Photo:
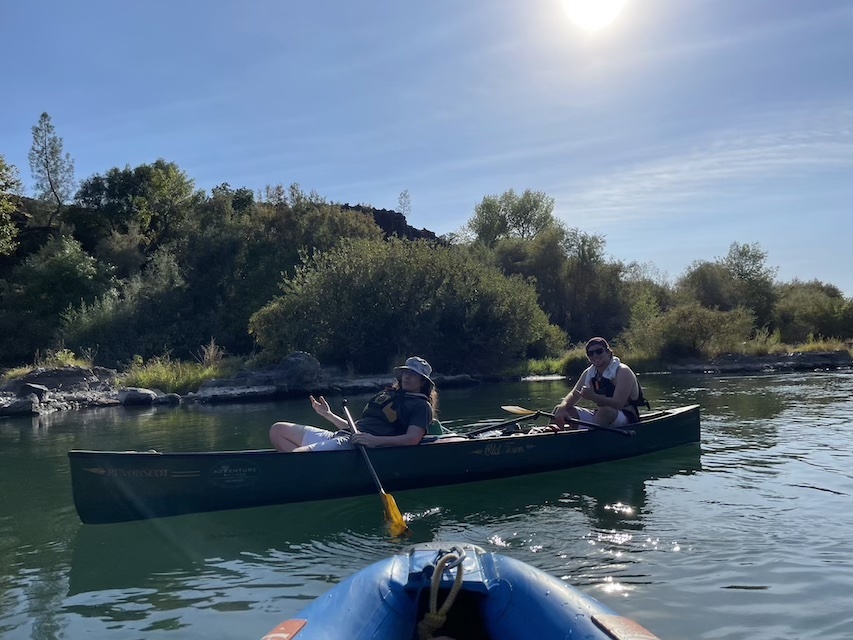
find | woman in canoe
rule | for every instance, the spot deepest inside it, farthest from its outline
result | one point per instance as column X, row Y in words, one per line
column 396, row 416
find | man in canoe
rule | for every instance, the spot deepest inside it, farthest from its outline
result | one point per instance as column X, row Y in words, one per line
column 608, row 383
column 396, row 416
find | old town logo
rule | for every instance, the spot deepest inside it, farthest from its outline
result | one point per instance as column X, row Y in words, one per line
column 503, row 448
column 238, row 473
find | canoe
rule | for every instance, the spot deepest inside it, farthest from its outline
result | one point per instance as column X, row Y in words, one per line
column 116, row 486
column 456, row 591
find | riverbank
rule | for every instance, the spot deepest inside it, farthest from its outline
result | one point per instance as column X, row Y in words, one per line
column 44, row 391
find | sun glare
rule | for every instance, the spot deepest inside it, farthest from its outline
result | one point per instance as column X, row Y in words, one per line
column 593, row 15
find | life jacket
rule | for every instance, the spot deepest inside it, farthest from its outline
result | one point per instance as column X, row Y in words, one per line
column 606, row 387
column 385, row 406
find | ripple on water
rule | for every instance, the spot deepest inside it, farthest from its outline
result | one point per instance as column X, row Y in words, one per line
column 747, row 537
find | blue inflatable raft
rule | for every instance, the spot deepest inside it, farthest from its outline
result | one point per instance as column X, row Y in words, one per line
column 456, row 591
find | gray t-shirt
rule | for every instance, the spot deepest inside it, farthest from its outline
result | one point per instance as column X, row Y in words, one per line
column 391, row 412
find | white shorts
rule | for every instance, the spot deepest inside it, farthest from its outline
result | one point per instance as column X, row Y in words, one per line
column 588, row 415
column 324, row 440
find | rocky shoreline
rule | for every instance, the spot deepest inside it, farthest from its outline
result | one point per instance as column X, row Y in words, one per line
column 299, row 374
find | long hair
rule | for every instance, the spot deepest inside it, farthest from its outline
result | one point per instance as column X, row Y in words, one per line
column 433, row 401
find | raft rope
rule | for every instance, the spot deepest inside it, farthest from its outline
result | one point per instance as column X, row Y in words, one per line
column 435, row 618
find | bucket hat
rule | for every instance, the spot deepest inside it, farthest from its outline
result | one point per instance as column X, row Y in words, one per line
column 417, row 365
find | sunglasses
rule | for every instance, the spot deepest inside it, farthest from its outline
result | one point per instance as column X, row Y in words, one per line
column 595, row 352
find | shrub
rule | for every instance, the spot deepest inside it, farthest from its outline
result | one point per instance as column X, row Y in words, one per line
column 368, row 304
column 39, row 289
column 687, row 331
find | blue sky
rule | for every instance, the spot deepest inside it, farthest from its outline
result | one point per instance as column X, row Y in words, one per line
column 682, row 127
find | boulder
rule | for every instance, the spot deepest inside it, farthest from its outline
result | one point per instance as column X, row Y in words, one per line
column 65, row 379
column 298, row 369
column 27, row 388
column 28, row 406
column 170, row 399
column 217, row 394
column 136, row 397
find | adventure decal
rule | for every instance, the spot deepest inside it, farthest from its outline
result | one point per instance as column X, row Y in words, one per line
column 503, row 448
column 240, row 473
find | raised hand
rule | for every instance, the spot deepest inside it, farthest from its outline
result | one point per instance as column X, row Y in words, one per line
column 320, row 406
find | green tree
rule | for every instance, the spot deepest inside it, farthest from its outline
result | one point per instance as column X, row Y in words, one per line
column 741, row 279
column 645, row 282
column 811, row 309
column 60, row 275
column 708, row 283
column 595, row 297
column 511, row 216
column 642, row 336
column 686, row 330
column 755, row 280
column 272, row 241
column 543, row 260
column 223, row 263
column 10, row 188
column 233, row 200
column 151, row 200
column 143, row 315
column 52, row 171
column 579, row 289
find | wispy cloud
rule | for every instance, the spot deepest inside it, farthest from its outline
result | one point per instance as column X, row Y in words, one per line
column 750, row 33
column 732, row 161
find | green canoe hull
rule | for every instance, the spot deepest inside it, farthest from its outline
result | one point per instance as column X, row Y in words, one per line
column 116, row 486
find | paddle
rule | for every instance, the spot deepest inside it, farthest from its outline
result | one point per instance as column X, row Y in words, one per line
column 529, row 412
column 394, row 519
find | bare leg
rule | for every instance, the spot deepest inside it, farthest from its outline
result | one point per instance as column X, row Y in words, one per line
column 286, row 436
column 606, row 416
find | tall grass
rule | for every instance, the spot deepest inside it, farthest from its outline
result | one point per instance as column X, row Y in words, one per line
column 175, row 376
column 52, row 359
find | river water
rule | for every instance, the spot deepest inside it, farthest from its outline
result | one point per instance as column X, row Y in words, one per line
column 748, row 535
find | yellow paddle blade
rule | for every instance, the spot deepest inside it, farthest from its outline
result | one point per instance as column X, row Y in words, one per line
column 396, row 525
column 512, row 408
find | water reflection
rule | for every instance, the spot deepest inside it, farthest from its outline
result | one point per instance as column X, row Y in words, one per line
column 134, row 554
column 303, row 548
column 590, row 490
column 580, row 524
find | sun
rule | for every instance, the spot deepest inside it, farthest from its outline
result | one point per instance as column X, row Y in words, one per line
column 593, row 15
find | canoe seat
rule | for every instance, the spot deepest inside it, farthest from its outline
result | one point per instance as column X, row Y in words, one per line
column 437, row 432
column 437, row 429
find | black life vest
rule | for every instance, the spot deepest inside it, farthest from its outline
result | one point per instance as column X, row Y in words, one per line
column 606, row 387
column 385, row 406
